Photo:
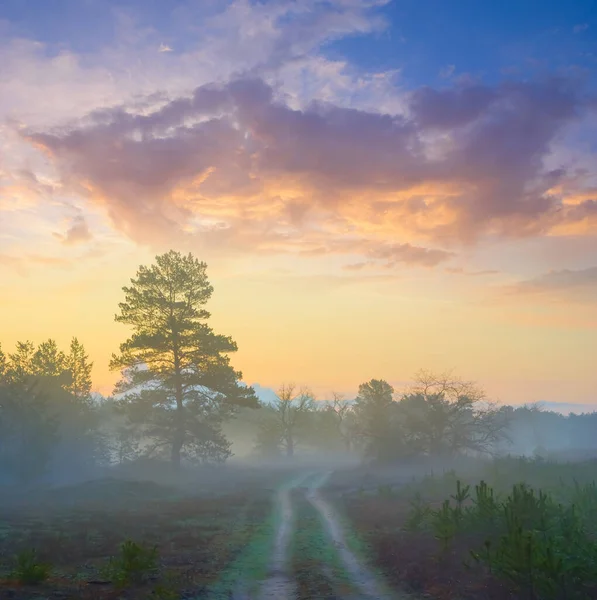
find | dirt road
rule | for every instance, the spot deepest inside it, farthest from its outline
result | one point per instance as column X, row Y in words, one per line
column 365, row 582
column 280, row 582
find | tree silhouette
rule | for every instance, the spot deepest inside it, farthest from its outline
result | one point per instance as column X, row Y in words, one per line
column 286, row 421
column 177, row 378
column 3, row 364
column 28, row 430
column 48, row 359
column 291, row 407
column 340, row 416
column 375, row 411
column 20, row 362
column 79, row 367
column 445, row 414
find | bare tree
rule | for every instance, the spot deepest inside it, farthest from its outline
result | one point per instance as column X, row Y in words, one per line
column 291, row 407
column 443, row 413
column 342, row 413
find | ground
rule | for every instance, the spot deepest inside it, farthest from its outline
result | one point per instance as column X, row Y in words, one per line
column 197, row 537
column 248, row 534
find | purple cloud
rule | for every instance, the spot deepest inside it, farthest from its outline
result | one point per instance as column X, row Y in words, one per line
column 237, row 140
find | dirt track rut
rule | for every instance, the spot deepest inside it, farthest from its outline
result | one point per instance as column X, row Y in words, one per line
column 362, row 578
column 279, row 583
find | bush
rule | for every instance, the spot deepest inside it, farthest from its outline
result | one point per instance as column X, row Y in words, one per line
column 544, row 548
column 134, row 564
column 28, row 571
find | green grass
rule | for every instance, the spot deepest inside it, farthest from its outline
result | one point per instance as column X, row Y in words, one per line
column 29, row 570
column 198, row 538
column 542, row 541
column 315, row 561
column 250, row 566
column 133, row 564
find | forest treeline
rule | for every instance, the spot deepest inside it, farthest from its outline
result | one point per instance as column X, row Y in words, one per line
column 180, row 399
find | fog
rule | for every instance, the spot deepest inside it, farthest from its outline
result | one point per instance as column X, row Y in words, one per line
column 185, row 484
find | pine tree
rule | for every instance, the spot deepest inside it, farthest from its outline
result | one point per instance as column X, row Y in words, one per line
column 176, row 371
column 3, row 365
column 20, row 362
column 79, row 367
column 48, row 360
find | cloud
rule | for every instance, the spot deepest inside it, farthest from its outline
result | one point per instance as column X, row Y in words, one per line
column 580, row 27
column 23, row 264
column 274, row 40
column 77, row 233
column 268, row 146
column 452, row 107
column 235, row 161
column 461, row 271
column 378, row 253
column 392, row 254
column 164, row 48
column 566, row 408
column 570, row 284
column 447, row 71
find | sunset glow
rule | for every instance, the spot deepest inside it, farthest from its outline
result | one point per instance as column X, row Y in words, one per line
column 370, row 198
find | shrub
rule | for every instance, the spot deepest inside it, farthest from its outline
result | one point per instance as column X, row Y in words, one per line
column 28, row 571
column 134, row 564
column 544, row 548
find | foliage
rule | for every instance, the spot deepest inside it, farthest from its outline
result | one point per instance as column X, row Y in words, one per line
column 375, row 412
column 444, row 524
column 177, row 379
column 288, row 419
column 48, row 360
column 3, row 364
column 20, row 365
column 544, row 548
column 341, row 419
column 78, row 364
column 443, row 414
column 28, row 431
column 44, row 424
column 28, row 570
column 134, row 564
column 419, row 514
column 385, row 490
column 126, row 444
column 268, row 442
column 163, row 591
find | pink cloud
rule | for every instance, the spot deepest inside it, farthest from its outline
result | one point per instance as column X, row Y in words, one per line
column 270, row 175
column 78, row 232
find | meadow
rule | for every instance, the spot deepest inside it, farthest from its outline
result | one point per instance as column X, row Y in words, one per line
column 510, row 528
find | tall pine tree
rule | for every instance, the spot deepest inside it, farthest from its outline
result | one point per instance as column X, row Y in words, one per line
column 48, row 360
column 3, row 365
column 78, row 364
column 177, row 379
column 20, row 362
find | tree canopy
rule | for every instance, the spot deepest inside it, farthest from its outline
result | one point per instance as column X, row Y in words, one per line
column 177, row 381
column 47, row 424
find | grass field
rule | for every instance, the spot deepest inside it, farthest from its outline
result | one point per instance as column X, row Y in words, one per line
column 539, row 517
column 77, row 531
column 315, row 563
column 410, row 536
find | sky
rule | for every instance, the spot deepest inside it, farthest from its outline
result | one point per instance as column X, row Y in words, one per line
column 376, row 186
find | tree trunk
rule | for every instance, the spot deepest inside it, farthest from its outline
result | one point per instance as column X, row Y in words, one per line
column 176, row 448
column 178, row 438
column 289, row 447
